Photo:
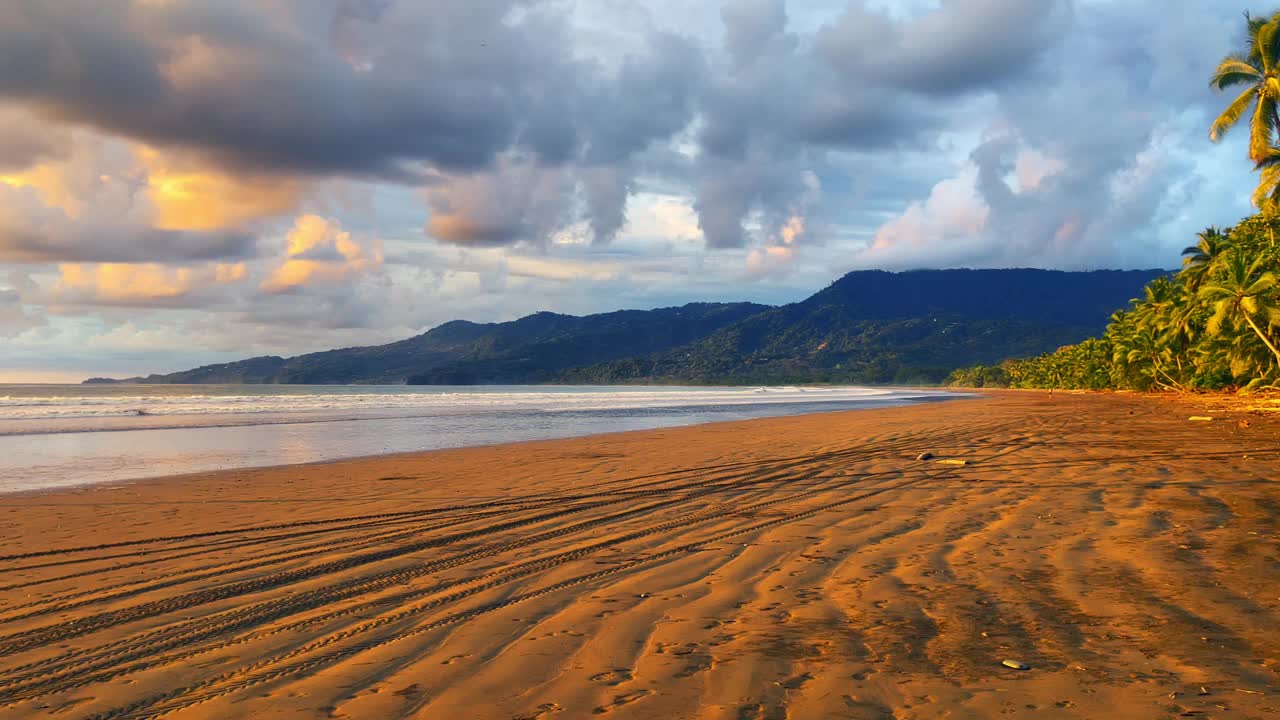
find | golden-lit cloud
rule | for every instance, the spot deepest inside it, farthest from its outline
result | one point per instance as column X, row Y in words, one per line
column 51, row 183
column 128, row 283
column 320, row 251
column 187, row 197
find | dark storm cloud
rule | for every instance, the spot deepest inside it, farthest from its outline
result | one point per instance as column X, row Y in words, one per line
column 447, row 82
column 515, row 134
column 457, row 88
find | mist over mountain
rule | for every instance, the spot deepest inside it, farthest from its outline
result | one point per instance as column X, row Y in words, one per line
column 866, row 327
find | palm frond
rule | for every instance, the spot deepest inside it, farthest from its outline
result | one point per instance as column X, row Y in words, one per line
column 1212, row 293
column 1261, row 285
column 1266, row 45
column 1253, row 25
column 1221, row 313
column 1234, row 70
column 1262, row 128
column 1267, row 195
column 1232, row 114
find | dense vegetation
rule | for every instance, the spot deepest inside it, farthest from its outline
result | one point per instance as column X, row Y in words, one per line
column 1216, row 323
column 867, row 327
column 1213, row 325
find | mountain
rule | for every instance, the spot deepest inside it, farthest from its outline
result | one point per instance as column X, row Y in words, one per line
column 533, row 349
column 866, row 327
column 905, row 328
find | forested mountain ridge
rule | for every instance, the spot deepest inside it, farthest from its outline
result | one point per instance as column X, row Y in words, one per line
column 868, row 326
column 881, row 327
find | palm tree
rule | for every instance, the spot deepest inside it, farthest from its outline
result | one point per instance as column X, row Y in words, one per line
column 1181, row 321
column 1259, row 70
column 1143, row 352
column 1239, row 294
column 1199, row 258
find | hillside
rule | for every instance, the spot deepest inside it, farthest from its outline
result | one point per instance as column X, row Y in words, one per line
column 881, row 327
column 533, row 349
column 867, row 327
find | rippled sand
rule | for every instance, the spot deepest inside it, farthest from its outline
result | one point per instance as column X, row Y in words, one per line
column 802, row 567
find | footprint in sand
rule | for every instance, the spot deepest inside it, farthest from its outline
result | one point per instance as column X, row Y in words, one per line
column 698, row 663
column 620, row 700
column 612, row 677
column 409, row 692
column 797, row 682
column 868, row 709
column 541, row 711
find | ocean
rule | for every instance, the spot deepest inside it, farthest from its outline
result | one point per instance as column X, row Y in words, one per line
column 68, row 435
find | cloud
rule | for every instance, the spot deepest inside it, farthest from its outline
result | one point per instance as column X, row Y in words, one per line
column 518, row 201
column 450, row 84
column 98, row 202
column 25, row 141
column 188, row 197
column 319, row 252
column 1086, row 164
column 15, row 317
column 138, row 285
column 863, row 81
column 962, row 46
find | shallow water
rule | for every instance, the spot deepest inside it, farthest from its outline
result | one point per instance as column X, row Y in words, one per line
column 65, row 435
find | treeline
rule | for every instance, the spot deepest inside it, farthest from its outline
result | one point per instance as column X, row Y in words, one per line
column 1213, row 325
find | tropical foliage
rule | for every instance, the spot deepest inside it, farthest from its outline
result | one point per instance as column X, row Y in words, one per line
column 1213, row 325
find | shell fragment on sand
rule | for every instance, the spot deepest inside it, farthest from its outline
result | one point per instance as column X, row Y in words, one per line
column 953, row 461
column 1016, row 665
column 1200, row 418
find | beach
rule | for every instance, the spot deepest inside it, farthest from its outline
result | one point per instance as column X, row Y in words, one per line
column 1122, row 557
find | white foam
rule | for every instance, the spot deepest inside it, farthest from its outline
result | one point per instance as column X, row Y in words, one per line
column 296, row 401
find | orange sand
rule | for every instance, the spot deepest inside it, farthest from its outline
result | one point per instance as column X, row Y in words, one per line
column 805, row 567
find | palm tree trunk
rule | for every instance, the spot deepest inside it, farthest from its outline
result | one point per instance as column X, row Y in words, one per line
column 1176, row 385
column 1262, row 335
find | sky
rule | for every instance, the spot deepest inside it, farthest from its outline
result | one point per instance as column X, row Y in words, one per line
column 185, row 182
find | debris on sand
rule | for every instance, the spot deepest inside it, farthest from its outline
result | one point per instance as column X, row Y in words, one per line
column 924, row 456
column 1200, row 418
column 953, row 461
column 1016, row 665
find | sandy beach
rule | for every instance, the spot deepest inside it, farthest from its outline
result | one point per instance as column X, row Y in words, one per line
column 797, row 567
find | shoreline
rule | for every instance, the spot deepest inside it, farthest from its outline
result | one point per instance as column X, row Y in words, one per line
column 805, row 564
column 963, row 394
column 787, row 408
